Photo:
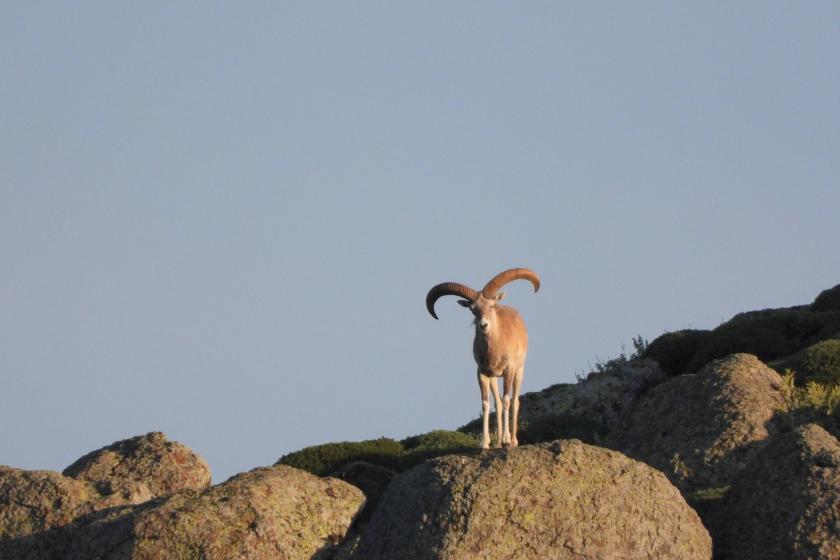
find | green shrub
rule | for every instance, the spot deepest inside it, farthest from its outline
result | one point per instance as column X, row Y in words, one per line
column 438, row 439
column 674, row 350
column 819, row 363
column 770, row 334
column 434, row 444
column 828, row 300
column 328, row 457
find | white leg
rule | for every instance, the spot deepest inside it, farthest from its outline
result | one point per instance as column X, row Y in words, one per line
column 484, row 385
column 517, row 386
column 494, row 387
column 506, row 421
column 515, row 420
column 485, row 433
column 508, row 379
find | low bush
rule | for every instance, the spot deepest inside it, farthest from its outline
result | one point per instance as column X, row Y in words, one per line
column 674, row 350
column 437, row 440
column 770, row 335
column 434, row 444
column 326, row 458
column 828, row 300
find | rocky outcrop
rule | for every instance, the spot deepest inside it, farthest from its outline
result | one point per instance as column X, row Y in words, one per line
column 34, row 501
column 557, row 500
column 142, row 467
column 271, row 512
column 601, row 397
column 786, row 502
column 585, row 410
column 702, row 429
column 131, row 471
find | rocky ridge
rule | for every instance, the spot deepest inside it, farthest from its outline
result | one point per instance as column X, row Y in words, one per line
column 268, row 513
column 697, row 424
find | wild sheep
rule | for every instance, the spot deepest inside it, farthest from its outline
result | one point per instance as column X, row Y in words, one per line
column 499, row 347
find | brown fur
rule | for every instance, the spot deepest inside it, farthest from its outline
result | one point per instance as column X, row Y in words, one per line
column 499, row 348
column 499, row 353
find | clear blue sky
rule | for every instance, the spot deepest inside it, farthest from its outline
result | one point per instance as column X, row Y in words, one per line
column 221, row 220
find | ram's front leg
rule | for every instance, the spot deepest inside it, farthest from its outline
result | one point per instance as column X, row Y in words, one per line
column 494, row 387
column 484, row 385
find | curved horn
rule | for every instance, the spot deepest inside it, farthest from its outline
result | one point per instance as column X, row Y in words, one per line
column 448, row 289
column 509, row 276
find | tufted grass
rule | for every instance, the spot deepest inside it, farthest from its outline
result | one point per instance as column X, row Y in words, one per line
column 819, row 363
column 812, row 403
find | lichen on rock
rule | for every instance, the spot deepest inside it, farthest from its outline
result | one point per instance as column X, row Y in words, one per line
column 34, row 501
column 701, row 429
column 268, row 513
column 557, row 500
column 786, row 502
column 142, row 467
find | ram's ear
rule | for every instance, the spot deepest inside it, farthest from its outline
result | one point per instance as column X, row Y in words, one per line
column 465, row 302
column 499, row 296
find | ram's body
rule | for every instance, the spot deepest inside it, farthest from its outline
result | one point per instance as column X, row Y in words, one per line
column 499, row 348
column 504, row 348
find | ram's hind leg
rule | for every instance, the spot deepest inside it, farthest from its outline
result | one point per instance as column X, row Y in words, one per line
column 484, row 385
column 494, row 386
column 508, row 380
column 517, row 385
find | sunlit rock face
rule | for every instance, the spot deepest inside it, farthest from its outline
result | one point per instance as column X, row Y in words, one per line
column 563, row 499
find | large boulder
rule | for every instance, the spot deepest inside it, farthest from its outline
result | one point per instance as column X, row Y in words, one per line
column 131, row 471
column 34, row 501
column 786, row 502
column 142, row 467
column 557, row 500
column 701, row 429
column 271, row 512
